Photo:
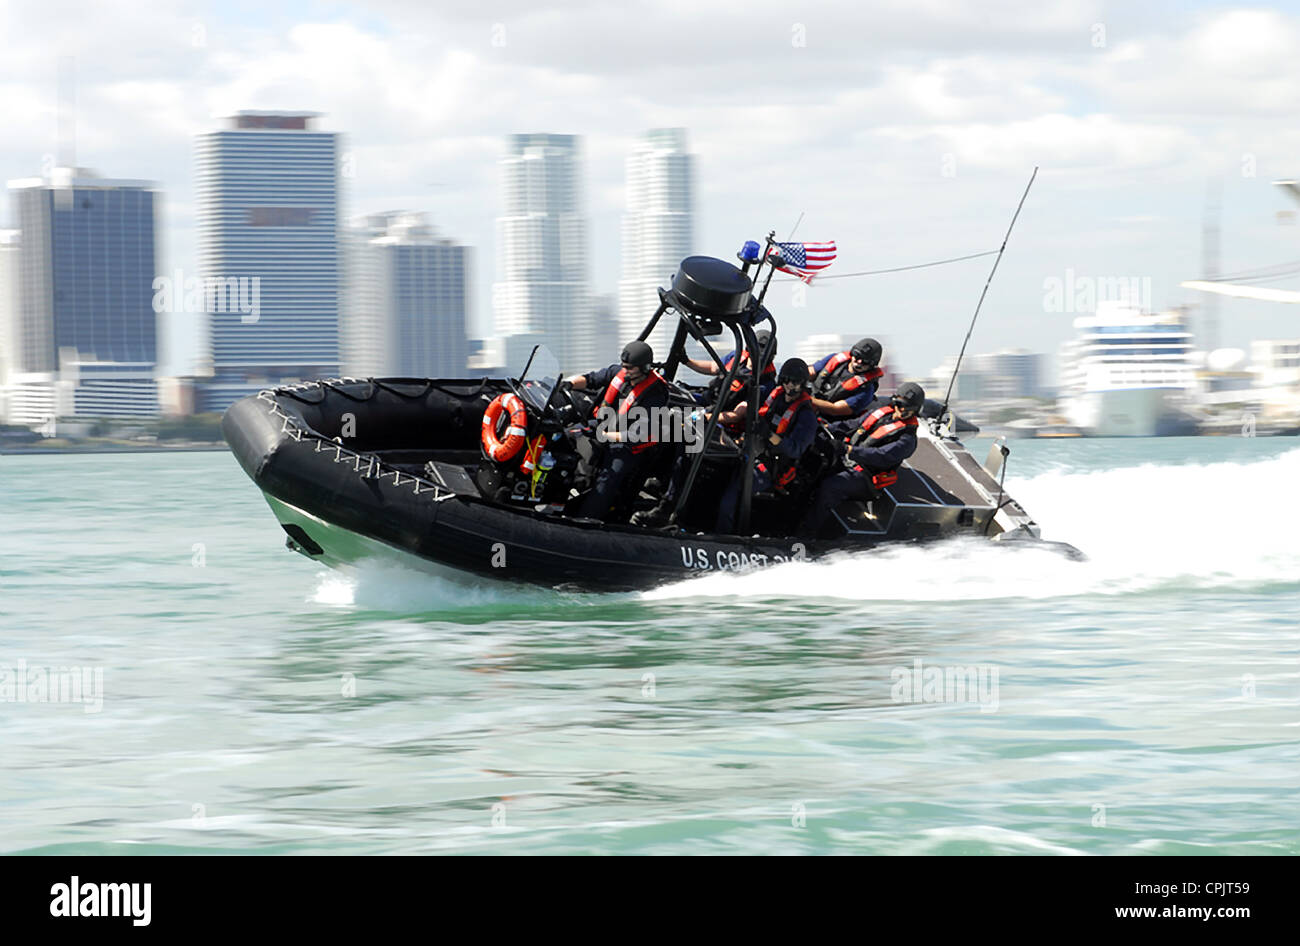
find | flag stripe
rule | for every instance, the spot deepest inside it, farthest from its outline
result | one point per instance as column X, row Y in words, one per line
column 805, row 260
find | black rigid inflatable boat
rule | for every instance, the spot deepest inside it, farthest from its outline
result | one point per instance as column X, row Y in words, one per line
column 398, row 468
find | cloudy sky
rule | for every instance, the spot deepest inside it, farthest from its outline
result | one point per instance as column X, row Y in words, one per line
column 903, row 130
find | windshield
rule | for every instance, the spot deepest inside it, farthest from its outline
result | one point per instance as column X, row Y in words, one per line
column 538, row 374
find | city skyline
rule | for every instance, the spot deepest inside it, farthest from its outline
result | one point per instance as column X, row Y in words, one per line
column 904, row 145
column 409, row 228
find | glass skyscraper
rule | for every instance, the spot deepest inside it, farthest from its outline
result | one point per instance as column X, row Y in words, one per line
column 542, row 236
column 8, row 305
column 84, row 325
column 406, row 313
column 269, row 231
column 658, row 231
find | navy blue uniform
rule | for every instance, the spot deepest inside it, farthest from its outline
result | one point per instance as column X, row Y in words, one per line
column 681, row 463
column 623, row 463
column 860, row 400
column 850, row 484
column 766, row 382
column 798, row 438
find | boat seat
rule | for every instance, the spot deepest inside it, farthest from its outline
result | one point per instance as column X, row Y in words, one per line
column 452, row 477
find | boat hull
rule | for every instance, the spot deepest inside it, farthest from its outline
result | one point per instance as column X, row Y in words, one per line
column 339, row 504
column 466, row 548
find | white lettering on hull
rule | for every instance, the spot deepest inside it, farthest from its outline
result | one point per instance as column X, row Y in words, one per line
column 700, row 559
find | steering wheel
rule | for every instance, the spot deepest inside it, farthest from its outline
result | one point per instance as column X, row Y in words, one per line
column 571, row 406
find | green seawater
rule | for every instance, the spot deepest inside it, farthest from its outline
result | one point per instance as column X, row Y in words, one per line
column 1146, row 701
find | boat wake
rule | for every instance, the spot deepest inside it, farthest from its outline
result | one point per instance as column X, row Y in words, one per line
column 383, row 585
column 1144, row 528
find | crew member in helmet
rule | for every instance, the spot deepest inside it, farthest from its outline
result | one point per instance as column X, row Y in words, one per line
column 632, row 389
column 844, row 383
column 873, row 449
column 787, row 424
column 733, row 405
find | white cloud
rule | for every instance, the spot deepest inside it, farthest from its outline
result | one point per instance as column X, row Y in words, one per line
column 851, row 127
column 1062, row 142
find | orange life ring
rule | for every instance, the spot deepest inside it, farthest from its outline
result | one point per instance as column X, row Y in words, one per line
column 504, row 449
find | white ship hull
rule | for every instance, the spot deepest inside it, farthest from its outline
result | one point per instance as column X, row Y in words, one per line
column 1131, row 412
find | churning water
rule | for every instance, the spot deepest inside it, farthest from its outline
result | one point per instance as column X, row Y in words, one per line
column 955, row 698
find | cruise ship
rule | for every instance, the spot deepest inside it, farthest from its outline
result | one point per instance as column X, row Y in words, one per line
column 1128, row 373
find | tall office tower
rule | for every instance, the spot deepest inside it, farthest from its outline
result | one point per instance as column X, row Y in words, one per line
column 85, row 331
column 542, row 237
column 269, row 252
column 657, row 230
column 8, row 314
column 407, row 293
column 604, row 320
column 8, row 302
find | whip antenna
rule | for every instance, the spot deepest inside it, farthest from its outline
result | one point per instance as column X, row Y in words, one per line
column 957, row 367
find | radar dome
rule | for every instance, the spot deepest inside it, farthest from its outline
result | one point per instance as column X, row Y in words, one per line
column 1225, row 359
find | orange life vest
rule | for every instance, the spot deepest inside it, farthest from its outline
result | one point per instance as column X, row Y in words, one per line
column 785, row 469
column 828, row 383
column 791, row 409
column 616, row 386
column 878, row 429
column 738, row 383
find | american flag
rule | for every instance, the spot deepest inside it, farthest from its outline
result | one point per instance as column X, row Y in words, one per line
column 805, row 260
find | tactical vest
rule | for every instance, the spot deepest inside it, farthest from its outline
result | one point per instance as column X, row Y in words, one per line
column 782, row 469
column 614, row 389
column 877, row 429
column 836, row 381
column 736, row 393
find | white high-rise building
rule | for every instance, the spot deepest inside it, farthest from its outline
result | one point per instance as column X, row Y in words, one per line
column 658, row 231
column 1276, row 371
column 1277, row 360
column 407, row 300
column 269, row 223
column 542, row 235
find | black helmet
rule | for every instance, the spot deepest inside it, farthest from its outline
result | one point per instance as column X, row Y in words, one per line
column 910, row 396
column 638, row 354
column 794, row 369
column 763, row 336
column 869, row 350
